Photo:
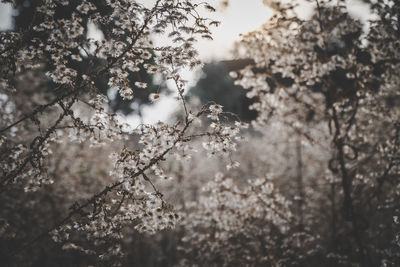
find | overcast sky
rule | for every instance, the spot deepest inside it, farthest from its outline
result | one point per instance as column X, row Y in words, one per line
column 5, row 16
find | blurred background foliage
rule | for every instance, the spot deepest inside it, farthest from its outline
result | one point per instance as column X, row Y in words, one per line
column 218, row 86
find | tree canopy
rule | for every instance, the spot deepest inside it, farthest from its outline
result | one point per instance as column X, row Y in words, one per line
column 318, row 186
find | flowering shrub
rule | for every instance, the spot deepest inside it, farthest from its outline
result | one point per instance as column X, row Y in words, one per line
column 229, row 218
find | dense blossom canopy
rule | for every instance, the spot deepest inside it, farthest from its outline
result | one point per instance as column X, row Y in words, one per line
column 312, row 181
column 67, row 106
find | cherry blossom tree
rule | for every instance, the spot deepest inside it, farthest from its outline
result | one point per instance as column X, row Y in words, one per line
column 331, row 79
column 51, row 108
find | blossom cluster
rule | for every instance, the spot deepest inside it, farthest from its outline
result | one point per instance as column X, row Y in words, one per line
column 232, row 223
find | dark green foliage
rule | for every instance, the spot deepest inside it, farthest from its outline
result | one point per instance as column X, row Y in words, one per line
column 216, row 85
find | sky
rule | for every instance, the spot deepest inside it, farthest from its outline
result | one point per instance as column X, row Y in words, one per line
column 239, row 17
column 5, row 16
